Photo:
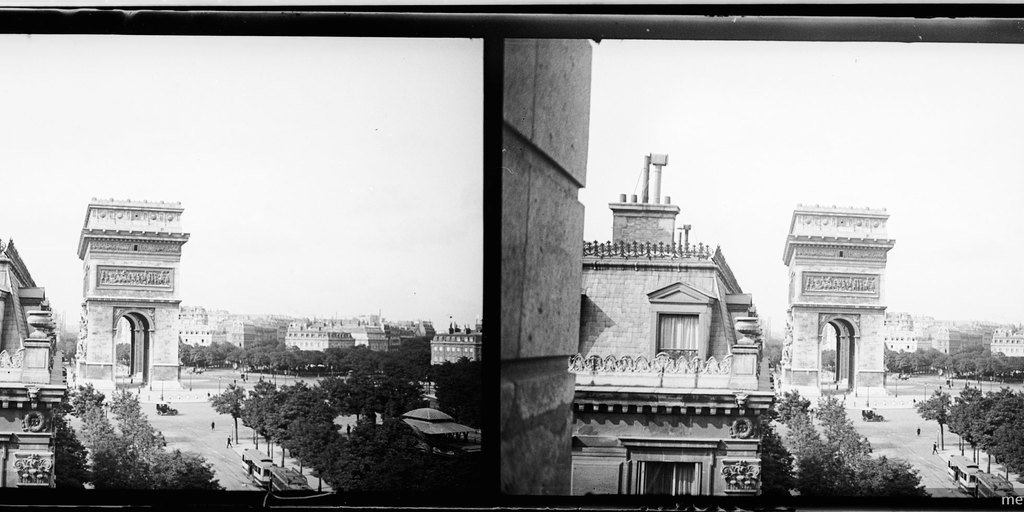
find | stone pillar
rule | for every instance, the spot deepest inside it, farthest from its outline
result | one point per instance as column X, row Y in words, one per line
column 545, row 137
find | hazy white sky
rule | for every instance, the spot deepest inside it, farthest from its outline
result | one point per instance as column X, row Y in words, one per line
column 318, row 175
column 932, row 132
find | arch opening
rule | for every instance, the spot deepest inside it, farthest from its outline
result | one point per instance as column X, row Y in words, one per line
column 837, row 356
column 132, row 348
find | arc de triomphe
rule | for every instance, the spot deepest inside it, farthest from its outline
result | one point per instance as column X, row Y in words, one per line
column 131, row 252
column 836, row 259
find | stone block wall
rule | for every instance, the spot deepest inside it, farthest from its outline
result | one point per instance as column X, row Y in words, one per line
column 616, row 312
column 545, row 136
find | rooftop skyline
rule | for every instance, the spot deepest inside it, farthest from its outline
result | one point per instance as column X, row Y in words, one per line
column 317, row 175
column 753, row 129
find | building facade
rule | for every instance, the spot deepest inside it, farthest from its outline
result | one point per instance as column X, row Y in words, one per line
column 32, row 379
column 451, row 346
column 1008, row 342
column 899, row 334
column 668, row 395
column 318, row 335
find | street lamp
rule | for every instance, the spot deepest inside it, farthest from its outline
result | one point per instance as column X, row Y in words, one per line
column 161, row 391
column 218, row 384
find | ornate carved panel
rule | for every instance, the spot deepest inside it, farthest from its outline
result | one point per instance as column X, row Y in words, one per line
column 841, row 284
column 136, row 277
column 34, row 469
column 836, row 253
column 741, row 475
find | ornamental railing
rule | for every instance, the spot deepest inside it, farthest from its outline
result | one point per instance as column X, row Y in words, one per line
column 660, row 250
column 662, row 363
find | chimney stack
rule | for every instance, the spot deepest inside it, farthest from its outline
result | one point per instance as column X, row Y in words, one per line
column 658, row 161
column 645, row 179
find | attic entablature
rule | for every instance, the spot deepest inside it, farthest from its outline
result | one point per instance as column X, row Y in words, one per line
column 835, row 248
column 680, row 293
column 109, row 223
column 849, row 222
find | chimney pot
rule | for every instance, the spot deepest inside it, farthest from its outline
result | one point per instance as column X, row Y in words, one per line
column 632, row 198
column 622, row 198
column 668, row 199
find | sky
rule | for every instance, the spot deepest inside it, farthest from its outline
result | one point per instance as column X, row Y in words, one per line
column 931, row 132
column 319, row 176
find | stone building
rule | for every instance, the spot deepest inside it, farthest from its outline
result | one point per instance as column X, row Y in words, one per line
column 668, row 396
column 31, row 377
column 454, row 345
column 1007, row 342
column 131, row 254
column 836, row 257
column 318, row 335
column 899, row 334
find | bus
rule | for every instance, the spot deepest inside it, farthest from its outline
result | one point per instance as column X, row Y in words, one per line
column 964, row 472
column 286, row 479
column 257, row 465
column 993, row 486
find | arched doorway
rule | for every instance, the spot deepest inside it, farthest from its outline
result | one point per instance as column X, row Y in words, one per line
column 837, row 355
column 133, row 347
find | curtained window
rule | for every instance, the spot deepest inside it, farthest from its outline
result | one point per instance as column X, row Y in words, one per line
column 677, row 334
column 668, row 478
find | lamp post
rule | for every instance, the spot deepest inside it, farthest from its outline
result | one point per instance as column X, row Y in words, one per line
column 218, row 384
column 161, row 391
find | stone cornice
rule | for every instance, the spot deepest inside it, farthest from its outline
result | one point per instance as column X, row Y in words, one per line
column 128, row 236
column 833, row 307
column 133, row 301
column 678, row 265
column 633, row 400
column 794, row 241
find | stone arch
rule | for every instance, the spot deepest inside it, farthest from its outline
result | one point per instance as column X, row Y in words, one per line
column 846, row 345
column 141, row 327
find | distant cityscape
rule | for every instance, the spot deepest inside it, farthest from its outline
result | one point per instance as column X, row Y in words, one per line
column 200, row 326
column 907, row 333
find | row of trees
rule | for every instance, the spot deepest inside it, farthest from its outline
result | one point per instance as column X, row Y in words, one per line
column 973, row 362
column 375, row 455
column 126, row 453
column 276, row 357
column 992, row 421
column 835, row 461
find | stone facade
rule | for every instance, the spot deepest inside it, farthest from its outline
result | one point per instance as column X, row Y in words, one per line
column 836, row 259
column 644, row 409
column 450, row 347
column 32, row 378
column 131, row 253
column 544, row 137
column 1008, row 342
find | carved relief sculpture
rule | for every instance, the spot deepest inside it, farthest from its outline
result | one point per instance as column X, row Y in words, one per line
column 837, row 283
column 134, row 277
column 33, row 468
column 741, row 476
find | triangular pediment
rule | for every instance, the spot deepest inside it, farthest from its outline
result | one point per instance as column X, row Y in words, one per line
column 680, row 293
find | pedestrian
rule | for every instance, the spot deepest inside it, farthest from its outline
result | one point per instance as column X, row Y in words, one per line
column 229, row 441
column 213, row 426
column 935, row 448
column 918, row 432
column 348, row 429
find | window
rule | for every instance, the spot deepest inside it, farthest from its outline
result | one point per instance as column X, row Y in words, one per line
column 670, row 478
column 678, row 334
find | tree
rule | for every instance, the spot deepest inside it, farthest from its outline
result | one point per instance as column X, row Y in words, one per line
column 888, row 477
column 458, row 390
column 230, row 402
column 84, row 398
column 258, row 410
column 69, row 453
column 182, row 470
column 776, row 463
column 963, row 417
column 936, row 409
column 130, row 454
column 791, row 405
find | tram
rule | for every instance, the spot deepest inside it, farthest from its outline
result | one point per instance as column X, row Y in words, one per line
column 994, row 486
column 964, row 472
column 257, row 465
column 287, row 479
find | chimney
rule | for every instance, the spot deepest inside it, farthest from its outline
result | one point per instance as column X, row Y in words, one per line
column 645, row 179
column 658, row 161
